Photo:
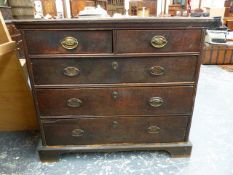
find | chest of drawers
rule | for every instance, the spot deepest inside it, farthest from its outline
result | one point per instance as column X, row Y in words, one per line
column 114, row 85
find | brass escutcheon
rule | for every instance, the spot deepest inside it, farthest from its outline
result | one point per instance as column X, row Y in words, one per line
column 156, row 102
column 159, row 41
column 71, row 71
column 115, row 65
column 153, row 129
column 157, row 70
column 115, row 95
column 69, row 43
column 74, row 102
column 77, row 132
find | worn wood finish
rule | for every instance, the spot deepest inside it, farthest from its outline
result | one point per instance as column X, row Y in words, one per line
column 49, row 42
column 128, row 101
column 102, row 70
column 104, row 96
column 115, row 130
column 139, row 41
column 123, row 23
column 177, row 149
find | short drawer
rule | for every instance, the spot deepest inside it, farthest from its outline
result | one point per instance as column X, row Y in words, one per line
column 107, row 130
column 115, row 101
column 113, row 70
column 153, row 41
column 68, row 42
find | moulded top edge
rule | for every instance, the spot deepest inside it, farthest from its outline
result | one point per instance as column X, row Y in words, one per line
column 123, row 22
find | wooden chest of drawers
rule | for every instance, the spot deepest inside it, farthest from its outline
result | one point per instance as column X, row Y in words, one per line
column 114, row 85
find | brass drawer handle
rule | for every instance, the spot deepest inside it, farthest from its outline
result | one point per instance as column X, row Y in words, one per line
column 159, row 41
column 74, row 102
column 156, row 102
column 69, row 43
column 157, row 70
column 153, row 129
column 71, row 71
column 77, row 132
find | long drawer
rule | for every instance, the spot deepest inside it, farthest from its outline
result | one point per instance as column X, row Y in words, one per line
column 115, row 101
column 152, row 41
column 107, row 130
column 114, row 70
column 68, row 42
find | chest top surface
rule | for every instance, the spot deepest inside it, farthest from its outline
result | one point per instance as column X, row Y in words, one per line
column 117, row 23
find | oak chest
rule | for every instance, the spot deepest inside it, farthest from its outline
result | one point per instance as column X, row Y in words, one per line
column 114, row 85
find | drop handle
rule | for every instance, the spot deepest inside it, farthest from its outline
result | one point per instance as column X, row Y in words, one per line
column 77, row 132
column 153, row 129
column 71, row 71
column 156, row 102
column 159, row 41
column 157, row 70
column 74, row 103
column 69, row 43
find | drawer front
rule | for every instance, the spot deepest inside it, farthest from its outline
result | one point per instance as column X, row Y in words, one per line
column 114, row 70
column 68, row 42
column 115, row 101
column 107, row 130
column 152, row 41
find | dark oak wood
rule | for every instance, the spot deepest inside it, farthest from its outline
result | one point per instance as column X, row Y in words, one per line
column 114, row 130
column 49, row 42
column 113, row 101
column 48, row 156
column 128, row 101
column 123, row 23
column 101, row 70
column 139, row 41
column 196, row 82
column 176, row 149
column 115, row 55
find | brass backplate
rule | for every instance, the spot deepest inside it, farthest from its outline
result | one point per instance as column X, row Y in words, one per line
column 69, row 43
column 159, row 41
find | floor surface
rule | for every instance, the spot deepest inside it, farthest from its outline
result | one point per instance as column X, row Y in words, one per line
column 211, row 135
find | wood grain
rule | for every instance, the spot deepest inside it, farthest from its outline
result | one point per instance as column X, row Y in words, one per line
column 129, row 101
column 105, row 95
column 101, row 71
column 139, row 41
column 49, row 42
column 104, row 131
